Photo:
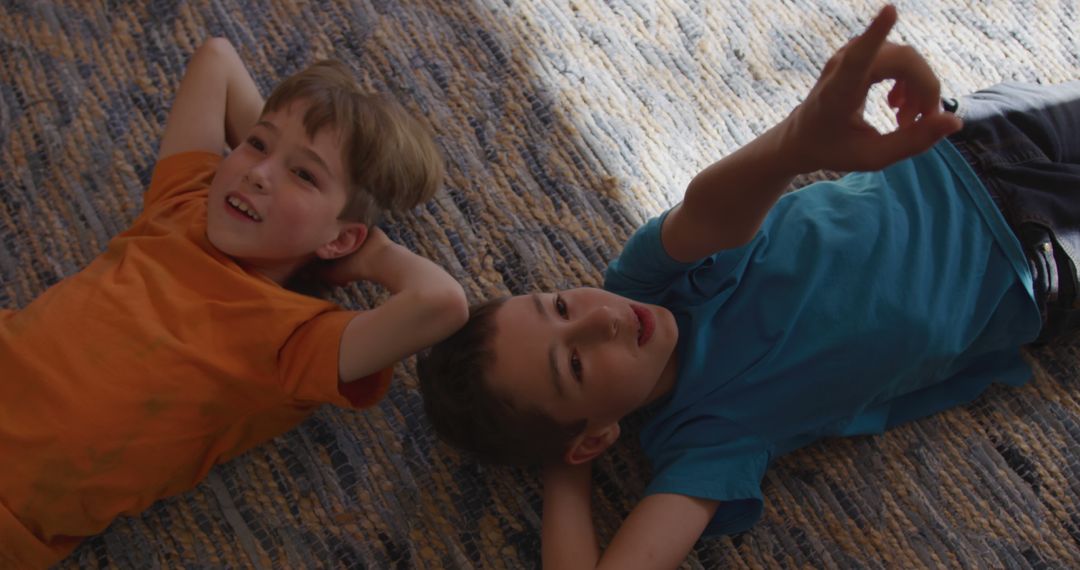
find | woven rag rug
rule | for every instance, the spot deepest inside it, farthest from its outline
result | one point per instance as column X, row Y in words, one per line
column 565, row 124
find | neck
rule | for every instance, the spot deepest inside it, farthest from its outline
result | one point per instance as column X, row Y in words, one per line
column 278, row 271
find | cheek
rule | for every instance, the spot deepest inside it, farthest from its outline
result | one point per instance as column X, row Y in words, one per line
column 224, row 181
column 291, row 214
column 622, row 376
column 613, row 375
column 299, row 216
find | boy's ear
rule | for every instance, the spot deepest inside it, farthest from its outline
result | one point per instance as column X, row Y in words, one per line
column 350, row 237
column 587, row 446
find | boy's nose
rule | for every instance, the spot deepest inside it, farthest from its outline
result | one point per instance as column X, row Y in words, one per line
column 258, row 179
column 598, row 325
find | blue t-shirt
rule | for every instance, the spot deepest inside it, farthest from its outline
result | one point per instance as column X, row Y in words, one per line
column 861, row 303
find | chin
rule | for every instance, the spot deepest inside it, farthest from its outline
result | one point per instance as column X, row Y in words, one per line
column 222, row 243
column 670, row 328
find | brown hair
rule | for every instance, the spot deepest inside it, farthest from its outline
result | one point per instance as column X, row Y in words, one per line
column 392, row 160
column 468, row 414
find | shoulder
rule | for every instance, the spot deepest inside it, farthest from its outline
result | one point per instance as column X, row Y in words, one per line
column 643, row 263
column 309, row 363
column 181, row 172
column 728, row 473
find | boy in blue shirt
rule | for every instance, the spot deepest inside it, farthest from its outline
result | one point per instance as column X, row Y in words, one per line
column 751, row 323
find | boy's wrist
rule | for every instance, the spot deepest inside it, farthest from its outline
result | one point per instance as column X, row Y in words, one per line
column 375, row 252
column 789, row 145
column 361, row 265
column 564, row 475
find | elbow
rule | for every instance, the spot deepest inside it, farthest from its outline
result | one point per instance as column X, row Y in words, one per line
column 216, row 48
column 457, row 308
column 448, row 308
column 217, row 44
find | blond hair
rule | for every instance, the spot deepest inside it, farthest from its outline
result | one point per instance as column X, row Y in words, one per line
column 392, row 161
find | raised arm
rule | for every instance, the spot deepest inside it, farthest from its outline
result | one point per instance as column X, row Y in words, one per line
column 216, row 103
column 426, row 305
column 725, row 204
column 658, row 533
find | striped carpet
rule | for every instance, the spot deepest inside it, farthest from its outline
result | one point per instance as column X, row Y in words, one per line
column 566, row 123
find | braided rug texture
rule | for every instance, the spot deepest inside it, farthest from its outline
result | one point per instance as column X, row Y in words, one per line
column 565, row 124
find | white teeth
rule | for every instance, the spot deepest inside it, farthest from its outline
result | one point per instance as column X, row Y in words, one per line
column 243, row 207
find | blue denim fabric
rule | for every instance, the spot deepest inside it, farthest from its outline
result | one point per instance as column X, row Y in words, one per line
column 1023, row 141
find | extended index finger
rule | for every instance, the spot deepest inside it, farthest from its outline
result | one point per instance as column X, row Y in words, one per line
column 862, row 50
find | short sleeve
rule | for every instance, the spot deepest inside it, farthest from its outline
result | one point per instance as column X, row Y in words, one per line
column 180, row 173
column 645, row 271
column 644, row 264
column 309, row 366
column 729, row 473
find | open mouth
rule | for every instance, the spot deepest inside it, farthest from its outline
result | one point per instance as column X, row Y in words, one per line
column 646, row 324
column 241, row 209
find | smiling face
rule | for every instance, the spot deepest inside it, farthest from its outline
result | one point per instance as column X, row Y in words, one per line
column 582, row 353
column 275, row 200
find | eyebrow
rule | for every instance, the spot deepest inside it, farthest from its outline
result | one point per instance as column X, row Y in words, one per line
column 553, row 361
column 305, row 150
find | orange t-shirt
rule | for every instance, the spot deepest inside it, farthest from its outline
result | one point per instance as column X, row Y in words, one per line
column 128, row 381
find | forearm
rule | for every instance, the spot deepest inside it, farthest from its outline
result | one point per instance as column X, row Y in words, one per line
column 568, row 537
column 399, row 270
column 426, row 305
column 429, row 296
column 243, row 103
column 215, row 104
column 726, row 203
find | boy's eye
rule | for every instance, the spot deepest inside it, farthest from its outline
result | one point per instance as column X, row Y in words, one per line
column 575, row 365
column 305, row 176
column 560, row 307
column 256, row 143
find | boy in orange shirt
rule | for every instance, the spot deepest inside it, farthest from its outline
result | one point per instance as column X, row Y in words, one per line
column 180, row 346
